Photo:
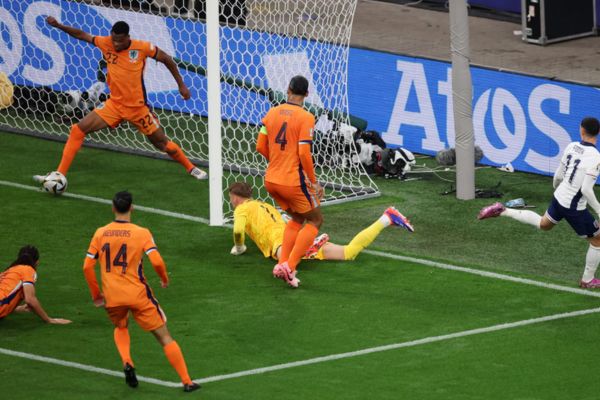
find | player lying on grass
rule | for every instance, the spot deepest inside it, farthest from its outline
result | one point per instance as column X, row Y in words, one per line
column 265, row 226
column 126, row 60
column 120, row 247
column 17, row 283
column 574, row 182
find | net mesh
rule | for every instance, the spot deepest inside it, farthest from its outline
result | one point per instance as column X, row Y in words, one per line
column 263, row 44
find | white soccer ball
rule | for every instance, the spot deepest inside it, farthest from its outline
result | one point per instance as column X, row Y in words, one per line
column 55, row 183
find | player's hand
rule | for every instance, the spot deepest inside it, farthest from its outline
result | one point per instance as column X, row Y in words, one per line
column 59, row 321
column 52, row 22
column 184, row 91
column 164, row 284
column 238, row 250
column 319, row 190
column 99, row 301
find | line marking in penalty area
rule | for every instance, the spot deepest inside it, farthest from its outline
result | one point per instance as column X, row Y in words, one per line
column 316, row 360
column 109, row 202
column 434, row 264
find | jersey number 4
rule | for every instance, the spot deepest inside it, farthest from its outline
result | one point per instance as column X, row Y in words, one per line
column 120, row 259
column 280, row 138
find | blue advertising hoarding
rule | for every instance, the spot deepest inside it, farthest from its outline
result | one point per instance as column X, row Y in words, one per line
column 518, row 119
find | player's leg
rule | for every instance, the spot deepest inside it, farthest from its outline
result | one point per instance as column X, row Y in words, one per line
column 175, row 356
column 119, row 318
column 585, row 225
column 306, row 236
column 545, row 222
column 148, row 125
column 92, row 122
column 292, row 227
column 150, row 317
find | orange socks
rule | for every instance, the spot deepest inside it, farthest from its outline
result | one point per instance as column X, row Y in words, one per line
column 289, row 238
column 175, row 357
column 71, row 148
column 123, row 345
column 175, row 152
column 305, row 239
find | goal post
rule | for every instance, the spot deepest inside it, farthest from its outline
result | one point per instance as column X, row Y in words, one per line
column 214, row 113
column 236, row 69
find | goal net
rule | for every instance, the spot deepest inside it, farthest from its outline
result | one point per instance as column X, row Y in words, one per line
column 57, row 79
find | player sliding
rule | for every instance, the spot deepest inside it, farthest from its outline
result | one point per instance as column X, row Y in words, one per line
column 126, row 59
column 265, row 226
column 17, row 283
column 285, row 140
column 120, row 247
column 574, row 182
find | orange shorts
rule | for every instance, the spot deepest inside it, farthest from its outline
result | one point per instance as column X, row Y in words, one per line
column 300, row 199
column 148, row 315
column 8, row 308
column 113, row 114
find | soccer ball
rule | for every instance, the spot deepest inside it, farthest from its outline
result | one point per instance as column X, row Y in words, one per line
column 55, row 183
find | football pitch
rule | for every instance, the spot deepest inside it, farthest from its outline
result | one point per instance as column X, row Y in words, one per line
column 461, row 309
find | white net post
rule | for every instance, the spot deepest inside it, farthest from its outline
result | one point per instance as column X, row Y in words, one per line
column 214, row 113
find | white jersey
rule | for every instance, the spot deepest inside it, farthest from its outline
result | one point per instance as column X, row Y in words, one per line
column 579, row 159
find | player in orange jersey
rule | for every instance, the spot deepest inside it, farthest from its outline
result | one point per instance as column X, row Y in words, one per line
column 17, row 283
column 120, row 247
column 126, row 59
column 285, row 140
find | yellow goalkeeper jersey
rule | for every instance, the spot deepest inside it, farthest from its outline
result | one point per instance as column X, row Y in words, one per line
column 262, row 223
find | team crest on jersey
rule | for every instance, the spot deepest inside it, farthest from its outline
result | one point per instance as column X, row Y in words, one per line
column 133, row 55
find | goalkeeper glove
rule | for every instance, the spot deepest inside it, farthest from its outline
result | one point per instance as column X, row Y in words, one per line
column 237, row 250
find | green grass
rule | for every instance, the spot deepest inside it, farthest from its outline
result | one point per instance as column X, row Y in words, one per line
column 228, row 314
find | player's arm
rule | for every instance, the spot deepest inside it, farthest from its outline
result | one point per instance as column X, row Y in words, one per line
column 305, row 156
column 159, row 265
column 587, row 189
column 166, row 59
column 71, row 31
column 262, row 143
column 239, row 229
column 559, row 175
column 34, row 304
column 89, row 271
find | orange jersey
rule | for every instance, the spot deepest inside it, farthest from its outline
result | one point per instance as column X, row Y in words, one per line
column 288, row 126
column 119, row 247
column 11, row 286
column 125, row 77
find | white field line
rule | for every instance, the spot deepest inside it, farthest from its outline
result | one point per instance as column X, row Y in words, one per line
column 316, row 360
column 415, row 260
column 84, row 367
column 106, row 201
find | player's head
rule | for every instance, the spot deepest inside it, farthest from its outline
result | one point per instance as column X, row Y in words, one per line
column 239, row 192
column 119, row 34
column 298, row 86
column 122, row 202
column 28, row 255
column 589, row 127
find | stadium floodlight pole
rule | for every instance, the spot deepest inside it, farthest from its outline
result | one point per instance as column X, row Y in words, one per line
column 462, row 98
column 213, row 66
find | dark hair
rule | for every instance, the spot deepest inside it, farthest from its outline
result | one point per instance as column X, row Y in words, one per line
column 28, row 255
column 122, row 201
column 241, row 189
column 120, row 28
column 299, row 85
column 590, row 125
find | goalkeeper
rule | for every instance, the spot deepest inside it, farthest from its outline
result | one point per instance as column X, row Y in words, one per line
column 265, row 225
